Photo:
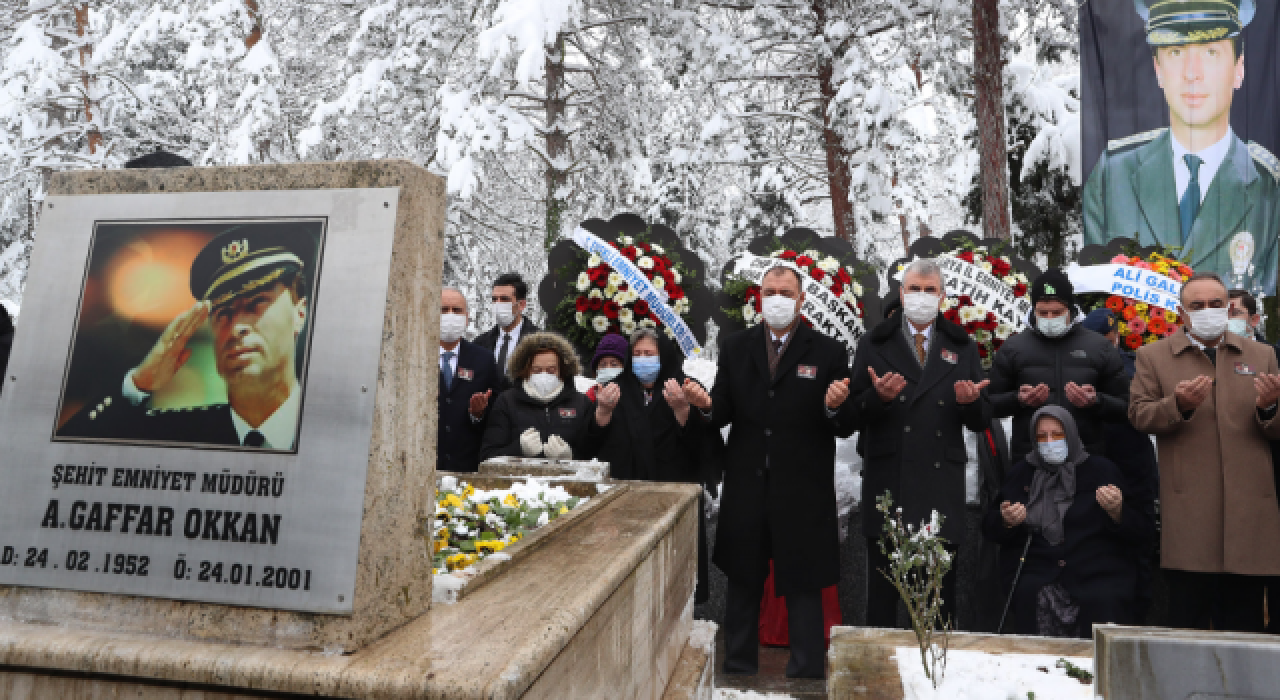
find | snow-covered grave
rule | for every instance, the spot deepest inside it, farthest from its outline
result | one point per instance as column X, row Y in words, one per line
column 867, row 662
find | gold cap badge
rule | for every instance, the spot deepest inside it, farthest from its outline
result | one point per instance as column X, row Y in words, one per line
column 234, row 251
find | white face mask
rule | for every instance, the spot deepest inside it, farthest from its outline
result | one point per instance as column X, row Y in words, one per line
column 779, row 311
column 920, row 307
column 543, row 385
column 452, row 326
column 1054, row 451
column 503, row 313
column 1053, row 327
column 1209, row 324
column 1239, row 326
column 607, row 374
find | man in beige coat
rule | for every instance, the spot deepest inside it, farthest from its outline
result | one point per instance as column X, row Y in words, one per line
column 1210, row 398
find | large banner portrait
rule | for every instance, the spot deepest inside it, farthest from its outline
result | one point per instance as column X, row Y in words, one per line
column 193, row 333
column 1178, row 101
column 188, row 408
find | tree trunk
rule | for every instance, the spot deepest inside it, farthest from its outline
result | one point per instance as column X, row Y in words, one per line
column 989, row 99
column 839, row 180
column 81, row 13
column 557, row 141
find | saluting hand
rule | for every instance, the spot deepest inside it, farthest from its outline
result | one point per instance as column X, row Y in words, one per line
column 480, row 402
column 1081, row 395
column 837, row 393
column 967, row 392
column 1268, row 388
column 696, row 395
column 1190, row 393
column 1013, row 514
column 1033, row 396
column 170, row 352
column 889, row 386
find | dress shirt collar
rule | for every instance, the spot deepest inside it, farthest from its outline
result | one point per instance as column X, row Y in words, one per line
column 1212, row 156
column 278, row 430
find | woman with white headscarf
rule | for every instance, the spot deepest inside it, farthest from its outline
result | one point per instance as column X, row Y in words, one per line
column 1079, row 569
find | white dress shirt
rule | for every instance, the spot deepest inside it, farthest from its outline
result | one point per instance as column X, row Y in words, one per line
column 453, row 361
column 1212, row 157
column 515, row 340
column 278, row 430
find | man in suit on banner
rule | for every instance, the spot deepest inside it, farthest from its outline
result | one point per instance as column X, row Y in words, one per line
column 784, row 388
column 468, row 380
column 1195, row 185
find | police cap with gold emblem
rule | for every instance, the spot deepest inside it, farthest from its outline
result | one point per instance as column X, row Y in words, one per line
column 1181, row 22
column 245, row 259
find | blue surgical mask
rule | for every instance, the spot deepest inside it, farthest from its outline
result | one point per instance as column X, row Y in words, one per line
column 646, row 369
column 604, row 375
column 1054, row 451
column 1239, row 326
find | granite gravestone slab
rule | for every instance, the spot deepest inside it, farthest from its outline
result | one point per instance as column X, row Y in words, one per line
column 1149, row 663
column 146, row 511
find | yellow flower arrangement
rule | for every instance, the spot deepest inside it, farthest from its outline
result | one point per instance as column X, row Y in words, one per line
column 1171, row 317
column 472, row 524
column 1141, row 306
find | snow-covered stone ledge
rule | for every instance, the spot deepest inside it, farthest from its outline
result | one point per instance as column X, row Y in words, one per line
column 885, row 664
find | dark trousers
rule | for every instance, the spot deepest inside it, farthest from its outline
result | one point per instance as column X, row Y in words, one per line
column 1229, row 602
column 883, row 598
column 804, row 627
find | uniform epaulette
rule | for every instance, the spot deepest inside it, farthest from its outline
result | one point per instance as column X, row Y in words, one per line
column 183, row 409
column 1136, row 139
column 1266, row 159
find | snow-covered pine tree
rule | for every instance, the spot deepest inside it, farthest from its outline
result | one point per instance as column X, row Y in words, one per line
column 61, row 107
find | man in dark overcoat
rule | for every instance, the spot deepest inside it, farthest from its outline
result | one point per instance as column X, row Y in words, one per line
column 783, row 387
column 468, row 380
column 917, row 381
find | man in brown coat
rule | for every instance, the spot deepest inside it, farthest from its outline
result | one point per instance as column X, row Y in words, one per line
column 1210, row 398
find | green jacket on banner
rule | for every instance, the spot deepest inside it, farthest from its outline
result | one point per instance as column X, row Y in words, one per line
column 1131, row 194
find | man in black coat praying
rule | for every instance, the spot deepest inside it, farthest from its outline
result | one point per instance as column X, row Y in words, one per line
column 917, row 381
column 783, row 387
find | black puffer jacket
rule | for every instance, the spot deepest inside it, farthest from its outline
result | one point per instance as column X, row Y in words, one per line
column 568, row 415
column 1080, row 356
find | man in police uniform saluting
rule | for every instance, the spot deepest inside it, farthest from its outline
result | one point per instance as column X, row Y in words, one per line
column 251, row 284
column 1194, row 185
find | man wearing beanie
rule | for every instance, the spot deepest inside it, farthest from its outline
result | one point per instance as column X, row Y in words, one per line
column 1055, row 361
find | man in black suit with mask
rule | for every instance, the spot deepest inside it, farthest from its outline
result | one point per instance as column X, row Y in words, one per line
column 510, row 298
column 784, row 388
column 468, row 379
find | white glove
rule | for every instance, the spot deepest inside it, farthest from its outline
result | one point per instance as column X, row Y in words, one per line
column 558, row 448
column 531, row 442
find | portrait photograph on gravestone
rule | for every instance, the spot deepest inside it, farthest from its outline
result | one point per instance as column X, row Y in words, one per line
column 192, row 417
column 193, row 333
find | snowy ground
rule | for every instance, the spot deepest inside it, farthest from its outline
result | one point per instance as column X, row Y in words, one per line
column 976, row 675
column 727, row 694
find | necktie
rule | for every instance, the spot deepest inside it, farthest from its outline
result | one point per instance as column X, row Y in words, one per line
column 920, row 348
column 446, row 369
column 254, row 439
column 502, row 354
column 777, row 346
column 1189, row 207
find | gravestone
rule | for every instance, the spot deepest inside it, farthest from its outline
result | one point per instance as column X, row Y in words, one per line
column 1149, row 663
column 163, row 521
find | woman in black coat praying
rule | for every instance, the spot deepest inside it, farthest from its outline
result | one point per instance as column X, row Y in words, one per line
column 645, row 428
column 1079, row 567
